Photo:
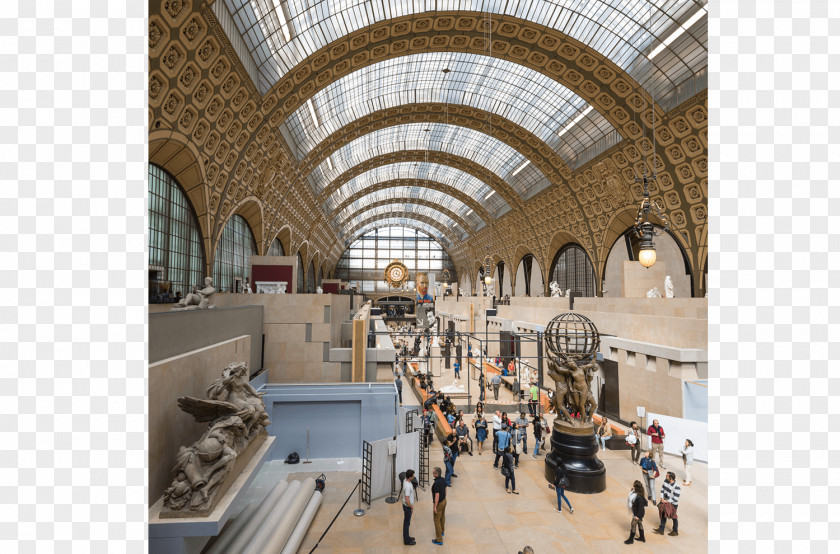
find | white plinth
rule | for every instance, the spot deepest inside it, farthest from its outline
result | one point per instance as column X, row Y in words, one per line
column 167, row 535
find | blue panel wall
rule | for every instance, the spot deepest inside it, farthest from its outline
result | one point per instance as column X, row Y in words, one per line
column 339, row 417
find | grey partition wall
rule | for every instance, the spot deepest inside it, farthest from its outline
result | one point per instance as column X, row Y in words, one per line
column 339, row 417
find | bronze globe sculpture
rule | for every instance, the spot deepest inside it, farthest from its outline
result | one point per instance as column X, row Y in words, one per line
column 572, row 341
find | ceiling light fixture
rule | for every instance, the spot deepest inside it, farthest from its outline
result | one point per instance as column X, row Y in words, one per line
column 492, row 192
column 312, row 111
column 520, row 168
column 645, row 230
column 329, row 163
column 580, row 116
column 676, row 34
column 469, row 212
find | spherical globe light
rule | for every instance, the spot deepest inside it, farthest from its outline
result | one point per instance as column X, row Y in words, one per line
column 647, row 257
column 488, row 280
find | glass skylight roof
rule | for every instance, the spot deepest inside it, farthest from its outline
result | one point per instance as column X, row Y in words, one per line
column 514, row 92
column 445, row 221
column 430, row 195
column 488, row 152
column 282, row 33
column 405, row 222
column 445, row 175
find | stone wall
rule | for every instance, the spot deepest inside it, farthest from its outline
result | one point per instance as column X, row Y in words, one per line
column 187, row 374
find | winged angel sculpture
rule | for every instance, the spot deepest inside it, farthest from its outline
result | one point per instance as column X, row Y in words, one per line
column 236, row 415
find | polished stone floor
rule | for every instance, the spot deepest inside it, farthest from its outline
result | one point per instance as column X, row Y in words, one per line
column 481, row 517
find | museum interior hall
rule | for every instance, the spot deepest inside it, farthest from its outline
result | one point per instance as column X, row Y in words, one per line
column 372, row 220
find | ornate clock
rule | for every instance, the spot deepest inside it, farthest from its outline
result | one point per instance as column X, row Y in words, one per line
column 396, row 274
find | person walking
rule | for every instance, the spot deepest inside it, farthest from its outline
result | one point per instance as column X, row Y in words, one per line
column 482, row 384
column 516, row 434
column 604, row 433
column 398, row 382
column 657, row 435
column 670, row 496
column 561, row 482
column 496, row 381
column 634, row 439
column 447, row 461
column 502, row 443
column 457, row 367
column 650, row 473
column 533, row 399
column 538, row 431
column 688, row 461
column 408, row 501
column 439, row 510
column 508, row 471
column 638, row 509
column 497, row 426
column 480, row 429
column 522, row 424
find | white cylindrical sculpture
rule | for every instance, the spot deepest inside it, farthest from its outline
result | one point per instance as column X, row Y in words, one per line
column 303, row 524
column 259, row 543
column 289, row 514
column 231, row 531
column 265, row 508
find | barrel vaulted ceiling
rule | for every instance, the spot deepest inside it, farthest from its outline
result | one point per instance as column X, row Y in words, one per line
column 481, row 123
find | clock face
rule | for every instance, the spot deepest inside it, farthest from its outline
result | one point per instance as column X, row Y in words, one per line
column 396, row 274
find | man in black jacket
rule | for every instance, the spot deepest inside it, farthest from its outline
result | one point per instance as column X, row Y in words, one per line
column 439, row 514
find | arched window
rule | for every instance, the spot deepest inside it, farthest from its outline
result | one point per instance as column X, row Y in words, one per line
column 300, row 282
column 233, row 255
column 276, row 248
column 573, row 270
column 366, row 258
column 310, row 278
column 176, row 256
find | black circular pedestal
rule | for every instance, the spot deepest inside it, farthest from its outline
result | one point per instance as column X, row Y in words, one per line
column 578, row 452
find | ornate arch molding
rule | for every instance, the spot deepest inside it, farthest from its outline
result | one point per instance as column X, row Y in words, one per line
column 552, row 53
column 351, row 233
column 284, row 235
column 250, row 208
column 407, row 200
column 526, row 143
column 176, row 154
column 468, row 166
column 432, row 185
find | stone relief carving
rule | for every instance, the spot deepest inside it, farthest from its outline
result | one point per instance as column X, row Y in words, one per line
column 237, row 416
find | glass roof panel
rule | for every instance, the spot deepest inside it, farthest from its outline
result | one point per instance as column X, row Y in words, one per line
column 282, row 33
column 499, row 158
column 430, row 195
column 403, row 221
column 446, row 222
column 515, row 92
column 445, row 175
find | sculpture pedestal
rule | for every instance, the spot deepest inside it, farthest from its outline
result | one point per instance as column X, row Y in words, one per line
column 577, row 448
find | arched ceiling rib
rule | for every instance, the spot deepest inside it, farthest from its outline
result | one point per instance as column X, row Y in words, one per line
column 512, row 91
column 443, row 235
column 490, row 153
column 282, row 33
column 468, row 177
column 371, row 191
column 433, row 210
column 456, row 209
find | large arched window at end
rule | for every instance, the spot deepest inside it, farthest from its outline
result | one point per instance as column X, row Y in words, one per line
column 176, row 256
column 300, row 282
column 276, row 248
column 573, row 270
column 233, row 255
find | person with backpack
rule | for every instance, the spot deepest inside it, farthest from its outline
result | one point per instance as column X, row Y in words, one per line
column 508, row 471
column 650, row 473
column 561, row 483
column 638, row 509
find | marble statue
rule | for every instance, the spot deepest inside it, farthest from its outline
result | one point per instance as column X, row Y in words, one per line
column 319, row 290
column 237, row 416
column 654, row 293
column 555, row 289
column 669, row 287
column 198, row 299
column 247, row 287
column 568, row 293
